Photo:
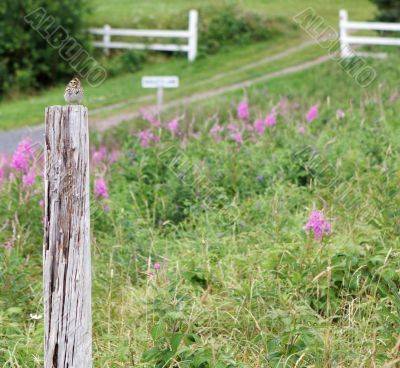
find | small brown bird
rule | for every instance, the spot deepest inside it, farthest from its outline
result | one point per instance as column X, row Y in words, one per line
column 74, row 91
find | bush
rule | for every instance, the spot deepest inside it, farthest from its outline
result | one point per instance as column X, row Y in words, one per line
column 229, row 26
column 127, row 61
column 27, row 60
column 389, row 10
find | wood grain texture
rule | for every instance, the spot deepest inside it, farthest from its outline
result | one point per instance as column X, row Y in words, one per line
column 66, row 250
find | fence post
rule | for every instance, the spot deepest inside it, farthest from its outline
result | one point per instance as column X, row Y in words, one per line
column 66, row 250
column 344, row 46
column 193, row 29
column 107, row 39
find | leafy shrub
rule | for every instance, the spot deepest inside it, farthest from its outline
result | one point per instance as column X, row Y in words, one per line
column 229, row 26
column 129, row 61
column 389, row 10
column 27, row 60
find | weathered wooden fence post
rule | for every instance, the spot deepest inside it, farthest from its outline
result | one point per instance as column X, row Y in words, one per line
column 66, row 253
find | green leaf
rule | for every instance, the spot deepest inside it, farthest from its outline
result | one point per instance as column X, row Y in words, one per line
column 157, row 331
column 152, row 354
column 175, row 341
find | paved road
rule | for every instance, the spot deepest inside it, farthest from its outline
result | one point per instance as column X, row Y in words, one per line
column 10, row 139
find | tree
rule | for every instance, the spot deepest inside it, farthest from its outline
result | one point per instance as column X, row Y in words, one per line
column 32, row 33
column 389, row 10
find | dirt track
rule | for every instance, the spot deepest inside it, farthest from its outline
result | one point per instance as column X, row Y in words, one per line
column 10, row 139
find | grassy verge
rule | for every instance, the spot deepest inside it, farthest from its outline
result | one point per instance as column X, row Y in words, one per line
column 240, row 283
column 28, row 110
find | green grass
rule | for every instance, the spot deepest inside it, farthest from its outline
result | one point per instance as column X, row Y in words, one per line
column 128, row 12
column 241, row 283
column 29, row 110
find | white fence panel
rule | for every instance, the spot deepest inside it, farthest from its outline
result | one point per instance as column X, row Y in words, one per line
column 345, row 40
column 191, row 35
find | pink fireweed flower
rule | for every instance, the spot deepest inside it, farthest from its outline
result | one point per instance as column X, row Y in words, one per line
column 215, row 132
column 340, row 114
column 249, row 127
column 19, row 161
column 259, row 126
column 270, row 120
column 100, row 155
column 146, row 137
column 318, row 224
column 173, row 126
column 100, row 188
column 301, row 130
column 157, row 266
column 312, row 113
column 237, row 137
column 232, row 127
column 22, row 154
column 25, row 146
column 29, row 178
column 243, row 110
column 150, row 117
column 216, row 129
column 41, row 203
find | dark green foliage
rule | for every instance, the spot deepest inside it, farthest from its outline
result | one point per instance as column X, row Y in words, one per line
column 389, row 10
column 31, row 35
column 128, row 61
column 228, row 26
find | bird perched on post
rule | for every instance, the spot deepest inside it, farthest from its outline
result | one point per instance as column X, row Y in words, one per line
column 74, row 91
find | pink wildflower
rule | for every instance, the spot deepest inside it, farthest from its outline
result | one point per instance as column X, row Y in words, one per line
column 41, row 203
column 29, row 178
column 318, row 224
column 243, row 110
column 100, row 155
column 101, row 188
column 146, row 137
column 22, row 154
column 301, row 129
column 215, row 129
column 173, row 126
column 270, row 119
column 340, row 114
column 312, row 113
column 157, row 266
column 19, row 161
column 148, row 115
column 237, row 137
column 232, row 127
column 215, row 132
column 259, row 126
column 25, row 146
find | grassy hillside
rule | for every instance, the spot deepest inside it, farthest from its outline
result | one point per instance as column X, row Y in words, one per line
column 200, row 257
column 125, row 12
column 28, row 110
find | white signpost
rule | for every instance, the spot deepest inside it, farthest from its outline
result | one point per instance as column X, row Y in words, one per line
column 160, row 83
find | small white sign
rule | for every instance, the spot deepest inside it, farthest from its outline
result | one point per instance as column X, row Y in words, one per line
column 160, row 82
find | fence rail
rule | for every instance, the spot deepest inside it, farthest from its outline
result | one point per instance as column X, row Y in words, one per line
column 345, row 40
column 191, row 35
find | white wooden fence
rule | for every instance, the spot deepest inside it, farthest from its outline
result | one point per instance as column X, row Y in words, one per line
column 345, row 40
column 191, row 35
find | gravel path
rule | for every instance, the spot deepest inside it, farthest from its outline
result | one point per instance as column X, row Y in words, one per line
column 10, row 139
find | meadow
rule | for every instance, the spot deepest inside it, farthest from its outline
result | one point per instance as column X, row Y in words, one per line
column 26, row 109
column 259, row 229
